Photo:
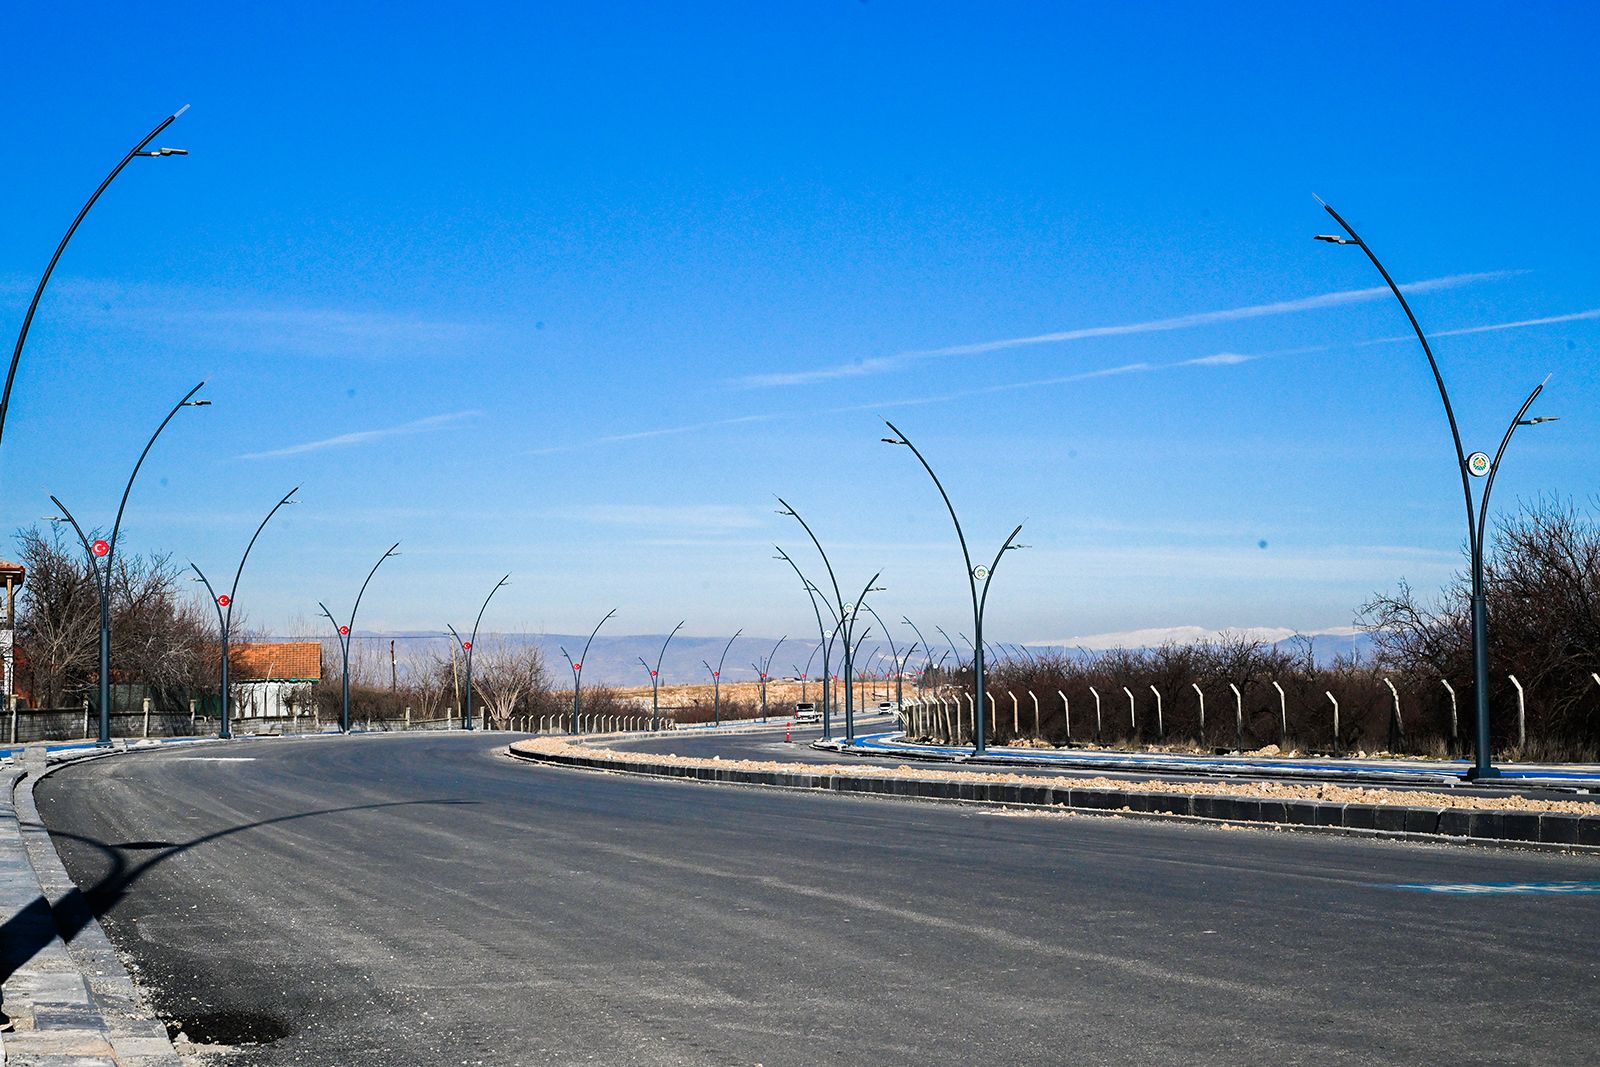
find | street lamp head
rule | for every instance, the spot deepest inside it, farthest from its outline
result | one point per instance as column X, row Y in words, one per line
column 197, row 403
column 157, row 153
column 1335, row 239
column 1536, row 420
column 894, row 441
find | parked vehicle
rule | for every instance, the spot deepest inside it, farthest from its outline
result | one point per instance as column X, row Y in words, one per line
column 807, row 712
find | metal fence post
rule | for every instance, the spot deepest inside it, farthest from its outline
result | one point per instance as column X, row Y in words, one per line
column 85, row 716
column 1238, row 715
column 1335, row 701
column 146, row 732
column 1283, row 716
column 1452, row 691
column 1201, row 694
column 1522, row 715
column 1035, row 698
column 1096, row 693
column 1066, row 712
column 1397, row 728
column 1161, row 725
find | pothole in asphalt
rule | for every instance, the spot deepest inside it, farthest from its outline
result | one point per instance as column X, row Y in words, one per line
column 228, row 1028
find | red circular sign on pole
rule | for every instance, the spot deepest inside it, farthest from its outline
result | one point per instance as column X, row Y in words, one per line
column 577, row 666
column 344, row 631
column 100, row 548
column 716, row 674
column 223, row 600
column 652, row 674
column 466, row 646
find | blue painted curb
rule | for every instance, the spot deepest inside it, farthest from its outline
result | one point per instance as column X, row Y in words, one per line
column 1445, row 773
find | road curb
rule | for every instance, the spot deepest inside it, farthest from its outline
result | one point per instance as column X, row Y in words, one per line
column 1233, row 765
column 76, row 1002
column 1545, row 831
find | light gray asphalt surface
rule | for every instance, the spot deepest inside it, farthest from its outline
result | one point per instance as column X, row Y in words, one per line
column 423, row 900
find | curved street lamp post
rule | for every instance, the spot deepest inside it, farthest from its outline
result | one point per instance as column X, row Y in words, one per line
column 846, row 617
column 343, row 633
column 224, row 605
column 764, row 670
column 899, row 662
column 806, row 672
column 466, row 652
column 716, row 678
column 103, row 554
column 655, row 677
column 1478, row 464
column 975, row 574
column 136, row 152
column 825, row 641
column 577, row 670
column 927, row 653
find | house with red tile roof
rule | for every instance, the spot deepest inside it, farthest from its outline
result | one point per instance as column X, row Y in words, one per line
column 271, row 679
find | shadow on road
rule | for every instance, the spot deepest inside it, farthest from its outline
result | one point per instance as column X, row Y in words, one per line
column 24, row 934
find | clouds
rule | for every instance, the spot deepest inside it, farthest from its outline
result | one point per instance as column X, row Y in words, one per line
column 361, row 437
column 232, row 322
column 882, row 364
column 1220, row 359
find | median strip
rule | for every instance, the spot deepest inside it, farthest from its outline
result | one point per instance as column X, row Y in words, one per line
column 1560, row 824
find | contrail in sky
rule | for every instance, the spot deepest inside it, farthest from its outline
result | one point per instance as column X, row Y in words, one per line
column 432, row 422
column 882, row 364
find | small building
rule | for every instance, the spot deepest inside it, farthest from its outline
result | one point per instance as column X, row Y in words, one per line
column 11, row 575
column 270, row 679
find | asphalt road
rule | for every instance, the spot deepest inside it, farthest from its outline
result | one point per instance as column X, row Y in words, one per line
column 423, row 900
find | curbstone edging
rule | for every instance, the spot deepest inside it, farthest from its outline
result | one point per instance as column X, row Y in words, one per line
column 99, row 1007
column 1550, row 831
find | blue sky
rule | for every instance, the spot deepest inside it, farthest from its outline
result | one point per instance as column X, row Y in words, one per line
column 572, row 290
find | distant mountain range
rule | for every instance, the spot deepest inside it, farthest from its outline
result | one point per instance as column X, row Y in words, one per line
column 613, row 660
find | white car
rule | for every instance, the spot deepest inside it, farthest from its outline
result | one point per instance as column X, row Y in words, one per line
column 807, row 712
column 888, row 707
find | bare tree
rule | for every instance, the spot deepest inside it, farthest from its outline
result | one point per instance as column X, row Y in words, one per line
column 58, row 618
column 505, row 674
